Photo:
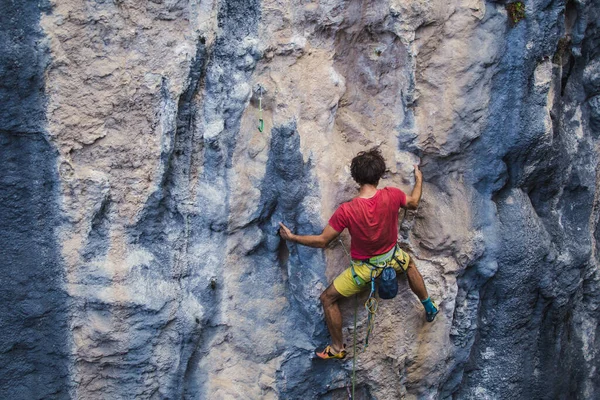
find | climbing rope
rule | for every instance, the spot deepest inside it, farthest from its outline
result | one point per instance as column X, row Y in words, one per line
column 371, row 305
column 355, row 323
column 354, row 347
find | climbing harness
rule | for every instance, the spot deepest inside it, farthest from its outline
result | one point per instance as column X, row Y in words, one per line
column 261, row 121
column 388, row 285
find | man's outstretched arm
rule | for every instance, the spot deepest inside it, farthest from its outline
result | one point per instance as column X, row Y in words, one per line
column 412, row 201
column 320, row 241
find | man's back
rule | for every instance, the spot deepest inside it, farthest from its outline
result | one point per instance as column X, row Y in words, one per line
column 372, row 222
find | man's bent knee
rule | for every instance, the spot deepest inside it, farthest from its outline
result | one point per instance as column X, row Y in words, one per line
column 329, row 296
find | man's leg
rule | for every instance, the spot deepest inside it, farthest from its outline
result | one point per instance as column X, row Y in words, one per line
column 333, row 317
column 417, row 285
column 415, row 281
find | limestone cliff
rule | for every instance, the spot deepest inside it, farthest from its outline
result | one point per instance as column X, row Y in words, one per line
column 139, row 203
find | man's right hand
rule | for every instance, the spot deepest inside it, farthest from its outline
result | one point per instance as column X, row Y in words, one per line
column 412, row 200
column 418, row 173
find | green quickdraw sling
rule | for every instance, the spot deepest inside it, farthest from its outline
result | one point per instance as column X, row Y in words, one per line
column 261, row 121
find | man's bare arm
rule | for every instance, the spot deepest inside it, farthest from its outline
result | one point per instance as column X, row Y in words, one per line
column 412, row 201
column 319, row 241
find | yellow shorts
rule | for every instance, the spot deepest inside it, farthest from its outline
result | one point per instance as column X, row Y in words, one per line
column 347, row 286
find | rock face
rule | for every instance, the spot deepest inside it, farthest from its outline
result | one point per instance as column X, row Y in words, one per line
column 34, row 316
column 140, row 203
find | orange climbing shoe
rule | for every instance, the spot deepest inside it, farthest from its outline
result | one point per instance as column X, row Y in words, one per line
column 328, row 353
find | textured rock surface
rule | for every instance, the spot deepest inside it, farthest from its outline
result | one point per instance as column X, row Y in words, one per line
column 34, row 325
column 139, row 203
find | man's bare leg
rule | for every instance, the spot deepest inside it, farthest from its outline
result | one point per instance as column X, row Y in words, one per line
column 333, row 317
column 417, row 285
column 415, row 281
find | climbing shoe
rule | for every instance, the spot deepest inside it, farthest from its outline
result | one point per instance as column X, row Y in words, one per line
column 328, row 353
column 431, row 312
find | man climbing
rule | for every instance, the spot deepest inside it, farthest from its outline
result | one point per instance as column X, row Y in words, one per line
column 372, row 220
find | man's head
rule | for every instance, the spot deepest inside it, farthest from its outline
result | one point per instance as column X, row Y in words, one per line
column 368, row 167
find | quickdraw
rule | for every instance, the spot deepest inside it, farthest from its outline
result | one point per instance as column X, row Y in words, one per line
column 261, row 121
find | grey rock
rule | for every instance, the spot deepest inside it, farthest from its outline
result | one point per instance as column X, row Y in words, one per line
column 140, row 204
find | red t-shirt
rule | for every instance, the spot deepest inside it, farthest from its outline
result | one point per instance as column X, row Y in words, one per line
column 373, row 223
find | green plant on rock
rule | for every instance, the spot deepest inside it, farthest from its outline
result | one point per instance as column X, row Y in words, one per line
column 516, row 11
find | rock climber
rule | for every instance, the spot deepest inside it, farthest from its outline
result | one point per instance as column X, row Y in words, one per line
column 372, row 220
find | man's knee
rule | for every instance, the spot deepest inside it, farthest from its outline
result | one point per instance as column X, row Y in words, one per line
column 411, row 264
column 329, row 296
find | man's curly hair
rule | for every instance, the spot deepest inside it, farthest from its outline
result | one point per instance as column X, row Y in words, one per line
column 368, row 167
